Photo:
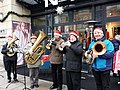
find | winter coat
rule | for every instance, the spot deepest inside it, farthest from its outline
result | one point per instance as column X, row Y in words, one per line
column 4, row 51
column 56, row 56
column 73, row 57
column 37, row 64
column 103, row 62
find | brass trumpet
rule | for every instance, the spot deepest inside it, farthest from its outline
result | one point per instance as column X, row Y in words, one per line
column 67, row 43
column 50, row 43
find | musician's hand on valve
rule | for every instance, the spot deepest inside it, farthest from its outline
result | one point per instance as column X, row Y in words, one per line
column 54, row 43
column 62, row 44
column 30, row 52
column 94, row 56
column 15, row 49
column 68, row 44
column 10, row 50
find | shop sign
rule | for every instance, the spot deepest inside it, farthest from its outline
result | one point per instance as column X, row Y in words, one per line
column 53, row 2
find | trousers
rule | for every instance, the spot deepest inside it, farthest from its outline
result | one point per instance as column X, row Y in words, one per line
column 57, row 75
column 102, row 79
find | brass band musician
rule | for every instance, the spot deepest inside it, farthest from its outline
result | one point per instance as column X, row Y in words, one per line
column 33, row 68
column 56, row 60
column 102, row 64
column 73, row 51
column 10, row 58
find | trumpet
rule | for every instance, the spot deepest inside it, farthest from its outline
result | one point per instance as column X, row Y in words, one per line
column 50, row 43
column 63, row 44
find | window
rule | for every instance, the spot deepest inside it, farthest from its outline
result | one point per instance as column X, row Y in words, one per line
column 82, row 15
column 39, row 21
column 61, row 18
column 113, row 10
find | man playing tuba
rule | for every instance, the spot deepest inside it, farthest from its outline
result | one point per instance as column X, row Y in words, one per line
column 102, row 63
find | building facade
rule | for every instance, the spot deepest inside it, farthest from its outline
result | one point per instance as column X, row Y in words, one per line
column 11, row 14
column 75, row 13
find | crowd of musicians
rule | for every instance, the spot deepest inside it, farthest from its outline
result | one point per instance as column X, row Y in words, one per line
column 101, row 55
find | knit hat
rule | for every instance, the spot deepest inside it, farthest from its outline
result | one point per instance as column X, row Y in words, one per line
column 75, row 33
column 58, row 32
column 10, row 36
column 98, row 30
column 33, row 36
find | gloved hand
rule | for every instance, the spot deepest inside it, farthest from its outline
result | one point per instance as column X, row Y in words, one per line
column 11, row 50
column 54, row 43
column 67, row 44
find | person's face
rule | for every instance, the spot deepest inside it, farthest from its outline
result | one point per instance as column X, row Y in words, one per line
column 72, row 38
column 9, row 39
column 98, row 35
column 56, row 36
column 22, row 26
column 33, row 40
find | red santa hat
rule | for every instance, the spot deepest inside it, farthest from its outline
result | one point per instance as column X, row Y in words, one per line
column 10, row 36
column 58, row 32
column 33, row 36
column 98, row 30
column 75, row 33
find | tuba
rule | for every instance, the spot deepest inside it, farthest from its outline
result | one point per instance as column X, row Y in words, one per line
column 99, row 49
column 12, row 45
column 37, row 50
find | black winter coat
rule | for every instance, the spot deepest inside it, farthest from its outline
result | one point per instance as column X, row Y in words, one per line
column 73, row 57
column 116, row 44
column 5, row 56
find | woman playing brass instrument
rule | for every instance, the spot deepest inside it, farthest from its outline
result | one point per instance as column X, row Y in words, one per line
column 73, row 64
column 102, row 64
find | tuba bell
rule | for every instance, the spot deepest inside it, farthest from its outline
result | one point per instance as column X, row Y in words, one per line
column 37, row 50
column 12, row 45
column 99, row 49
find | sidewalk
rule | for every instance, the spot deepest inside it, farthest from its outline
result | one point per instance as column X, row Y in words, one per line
column 43, row 85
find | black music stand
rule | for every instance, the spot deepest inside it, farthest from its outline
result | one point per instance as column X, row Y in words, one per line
column 25, row 88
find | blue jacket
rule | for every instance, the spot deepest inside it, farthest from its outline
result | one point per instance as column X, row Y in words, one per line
column 103, row 62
